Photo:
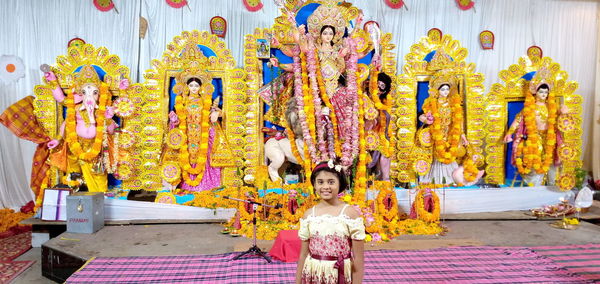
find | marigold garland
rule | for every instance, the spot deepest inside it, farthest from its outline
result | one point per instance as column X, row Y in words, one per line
column 310, row 141
column 293, row 218
column 71, row 125
column 375, row 226
column 360, row 185
column 361, row 180
column 294, row 146
column 423, row 214
column 446, row 148
column 530, row 156
column 386, row 190
column 209, row 199
column 374, row 91
column 419, row 227
column 470, row 169
column 181, row 106
column 384, row 145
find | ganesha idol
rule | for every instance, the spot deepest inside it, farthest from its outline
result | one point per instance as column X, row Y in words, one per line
column 84, row 143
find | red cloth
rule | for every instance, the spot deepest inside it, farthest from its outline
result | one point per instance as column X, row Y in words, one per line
column 287, row 246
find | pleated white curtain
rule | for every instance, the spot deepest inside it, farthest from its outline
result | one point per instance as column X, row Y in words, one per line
column 37, row 31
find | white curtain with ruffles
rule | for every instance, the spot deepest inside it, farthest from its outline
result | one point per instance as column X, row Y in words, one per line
column 38, row 32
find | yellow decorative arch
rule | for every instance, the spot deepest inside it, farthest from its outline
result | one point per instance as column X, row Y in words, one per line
column 514, row 88
column 254, row 152
column 154, row 99
column 416, row 69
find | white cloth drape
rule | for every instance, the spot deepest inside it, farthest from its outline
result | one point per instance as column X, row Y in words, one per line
column 38, row 31
column 595, row 119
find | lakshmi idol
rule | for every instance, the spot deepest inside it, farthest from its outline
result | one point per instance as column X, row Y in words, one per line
column 195, row 123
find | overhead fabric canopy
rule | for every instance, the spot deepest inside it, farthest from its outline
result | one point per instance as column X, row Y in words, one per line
column 566, row 30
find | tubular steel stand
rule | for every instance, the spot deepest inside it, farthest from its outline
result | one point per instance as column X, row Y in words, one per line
column 254, row 249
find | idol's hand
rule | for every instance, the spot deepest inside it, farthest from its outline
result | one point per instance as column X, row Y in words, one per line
column 343, row 52
column 173, row 118
column 508, row 138
column 214, row 116
column 274, row 41
column 464, row 139
column 124, row 84
column 377, row 62
column 359, row 19
column 274, row 61
column 52, row 144
column 564, row 109
column 50, row 76
column 429, row 118
column 110, row 112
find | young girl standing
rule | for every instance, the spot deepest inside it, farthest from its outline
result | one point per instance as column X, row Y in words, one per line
column 332, row 233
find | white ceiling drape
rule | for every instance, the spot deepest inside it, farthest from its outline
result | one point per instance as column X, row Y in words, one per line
column 38, row 31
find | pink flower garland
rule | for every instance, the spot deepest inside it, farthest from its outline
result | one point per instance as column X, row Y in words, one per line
column 330, row 137
column 314, row 86
column 350, row 147
column 300, row 105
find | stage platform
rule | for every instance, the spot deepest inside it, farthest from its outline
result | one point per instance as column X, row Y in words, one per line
column 482, row 200
column 453, row 200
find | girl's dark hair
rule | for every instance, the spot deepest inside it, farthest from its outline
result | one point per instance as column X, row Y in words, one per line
column 543, row 86
column 323, row 167
column 194, row 80
column 442, row 85
column 332, row 29
column 385, row 78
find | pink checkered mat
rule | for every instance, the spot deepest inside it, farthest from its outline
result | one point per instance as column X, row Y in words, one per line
column 565, row 264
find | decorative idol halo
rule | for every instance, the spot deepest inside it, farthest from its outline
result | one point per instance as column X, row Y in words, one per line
column 124, row 107
column 424, row 136
column 566, row 123
column 175, row 138
column 170, row 172
column 372, row 141
column 422, row 166
column 566, row 152
column 126, row 139
column 124, row 170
